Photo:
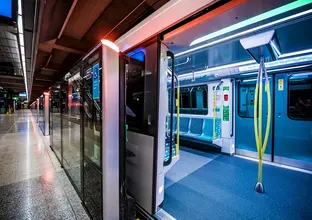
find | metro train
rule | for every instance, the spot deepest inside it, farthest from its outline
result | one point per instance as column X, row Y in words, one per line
column 184, row 75
column 214, row 92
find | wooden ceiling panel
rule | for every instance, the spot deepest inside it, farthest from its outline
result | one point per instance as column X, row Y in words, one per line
column 84, row 15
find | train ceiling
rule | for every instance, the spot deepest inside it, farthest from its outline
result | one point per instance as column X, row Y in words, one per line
column 292, row 36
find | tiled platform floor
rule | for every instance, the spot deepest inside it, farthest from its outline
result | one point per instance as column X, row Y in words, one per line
column 32, row 183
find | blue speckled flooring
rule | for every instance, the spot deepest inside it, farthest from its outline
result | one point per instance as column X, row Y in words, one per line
column 223, row 189
column 32, row 184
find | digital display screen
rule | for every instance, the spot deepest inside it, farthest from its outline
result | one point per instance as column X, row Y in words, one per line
column 6, row 8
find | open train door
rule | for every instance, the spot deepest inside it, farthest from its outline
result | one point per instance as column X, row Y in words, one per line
column 147, row 107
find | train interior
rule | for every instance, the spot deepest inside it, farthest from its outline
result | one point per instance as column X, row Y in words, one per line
column 217, row 80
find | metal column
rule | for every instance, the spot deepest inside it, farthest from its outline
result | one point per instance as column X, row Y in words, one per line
column 110, row 130
column 38, row 103
column 46, row 114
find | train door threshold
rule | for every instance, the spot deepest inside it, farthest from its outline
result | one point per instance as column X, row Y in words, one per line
column 175, row 159
column 163, row 215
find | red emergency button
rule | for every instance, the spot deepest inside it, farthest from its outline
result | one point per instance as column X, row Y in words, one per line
column 226, row 97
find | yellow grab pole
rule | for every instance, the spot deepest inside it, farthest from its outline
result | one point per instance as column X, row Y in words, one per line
column 267, row 130
column 256, row 117
column 178, row 121
column 261, row 146
column 214, row 114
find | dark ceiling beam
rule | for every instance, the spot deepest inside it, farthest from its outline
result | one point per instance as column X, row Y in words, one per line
column 62, row 30
column 11, row 81
column 72, row 42
column 133, row 10
column 48, row 60
column 67, row 18
column 43, row 78
column 10, row 77
column 71, row 28
column 49, row 45
column 49, row 69
column 15, row 88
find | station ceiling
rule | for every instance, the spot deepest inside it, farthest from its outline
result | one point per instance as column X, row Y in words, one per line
column 65, row 30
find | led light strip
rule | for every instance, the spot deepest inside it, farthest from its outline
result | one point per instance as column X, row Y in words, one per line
column 244, row 67
column 21, row 44
column 203, row 72
column 253, row 20
column 246, row 32
column 277, row 70
column 295, row 53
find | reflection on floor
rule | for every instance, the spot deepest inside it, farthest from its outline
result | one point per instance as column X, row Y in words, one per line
column 190, row 161
column 223, row 189
column 32, row 184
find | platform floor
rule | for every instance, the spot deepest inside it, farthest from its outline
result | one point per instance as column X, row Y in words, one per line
column 222, row 188
column 32, row 183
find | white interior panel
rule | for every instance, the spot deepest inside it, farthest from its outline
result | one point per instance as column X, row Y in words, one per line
column 140, row 168
column 168, row 15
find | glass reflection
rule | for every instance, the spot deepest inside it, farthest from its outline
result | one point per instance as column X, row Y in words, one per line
column 71, row 94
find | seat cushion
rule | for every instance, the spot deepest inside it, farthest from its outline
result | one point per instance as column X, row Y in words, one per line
column 204, row 138
column 196, row 126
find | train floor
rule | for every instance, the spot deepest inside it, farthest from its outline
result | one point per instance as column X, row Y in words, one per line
column 204, row 186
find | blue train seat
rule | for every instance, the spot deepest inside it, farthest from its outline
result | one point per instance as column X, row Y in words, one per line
column 184, row 125
column 207, row 131
column 196, row 128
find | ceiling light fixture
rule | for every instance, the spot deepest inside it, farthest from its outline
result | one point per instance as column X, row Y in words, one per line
column 245, row 32
column 250, row 65
column 253, row 20
column 295, row 53
column 21, row 44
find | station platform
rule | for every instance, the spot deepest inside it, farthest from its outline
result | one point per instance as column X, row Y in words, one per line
column 32, row 183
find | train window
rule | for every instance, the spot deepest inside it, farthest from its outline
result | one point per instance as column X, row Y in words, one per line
column 300, row 97
column 193, row 100
column 246, row 93
column 141, row 79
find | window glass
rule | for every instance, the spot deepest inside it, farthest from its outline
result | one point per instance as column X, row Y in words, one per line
column 41, row 114
column 71, row 130
column 92, row 106
column 246, row 100
column 141, row 82
column 193, row 100
column 55, row 120
column 299, row 97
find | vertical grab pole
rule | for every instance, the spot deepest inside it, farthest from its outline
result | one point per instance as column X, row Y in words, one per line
column 261, row 146
column 166, row 163
column 214, row 114
column 178, row 115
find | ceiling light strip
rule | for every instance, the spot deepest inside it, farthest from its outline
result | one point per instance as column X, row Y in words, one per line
column 253, row 20
column 246, row 32
column 244, row 67
column 295, row 53
column 21, row 45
